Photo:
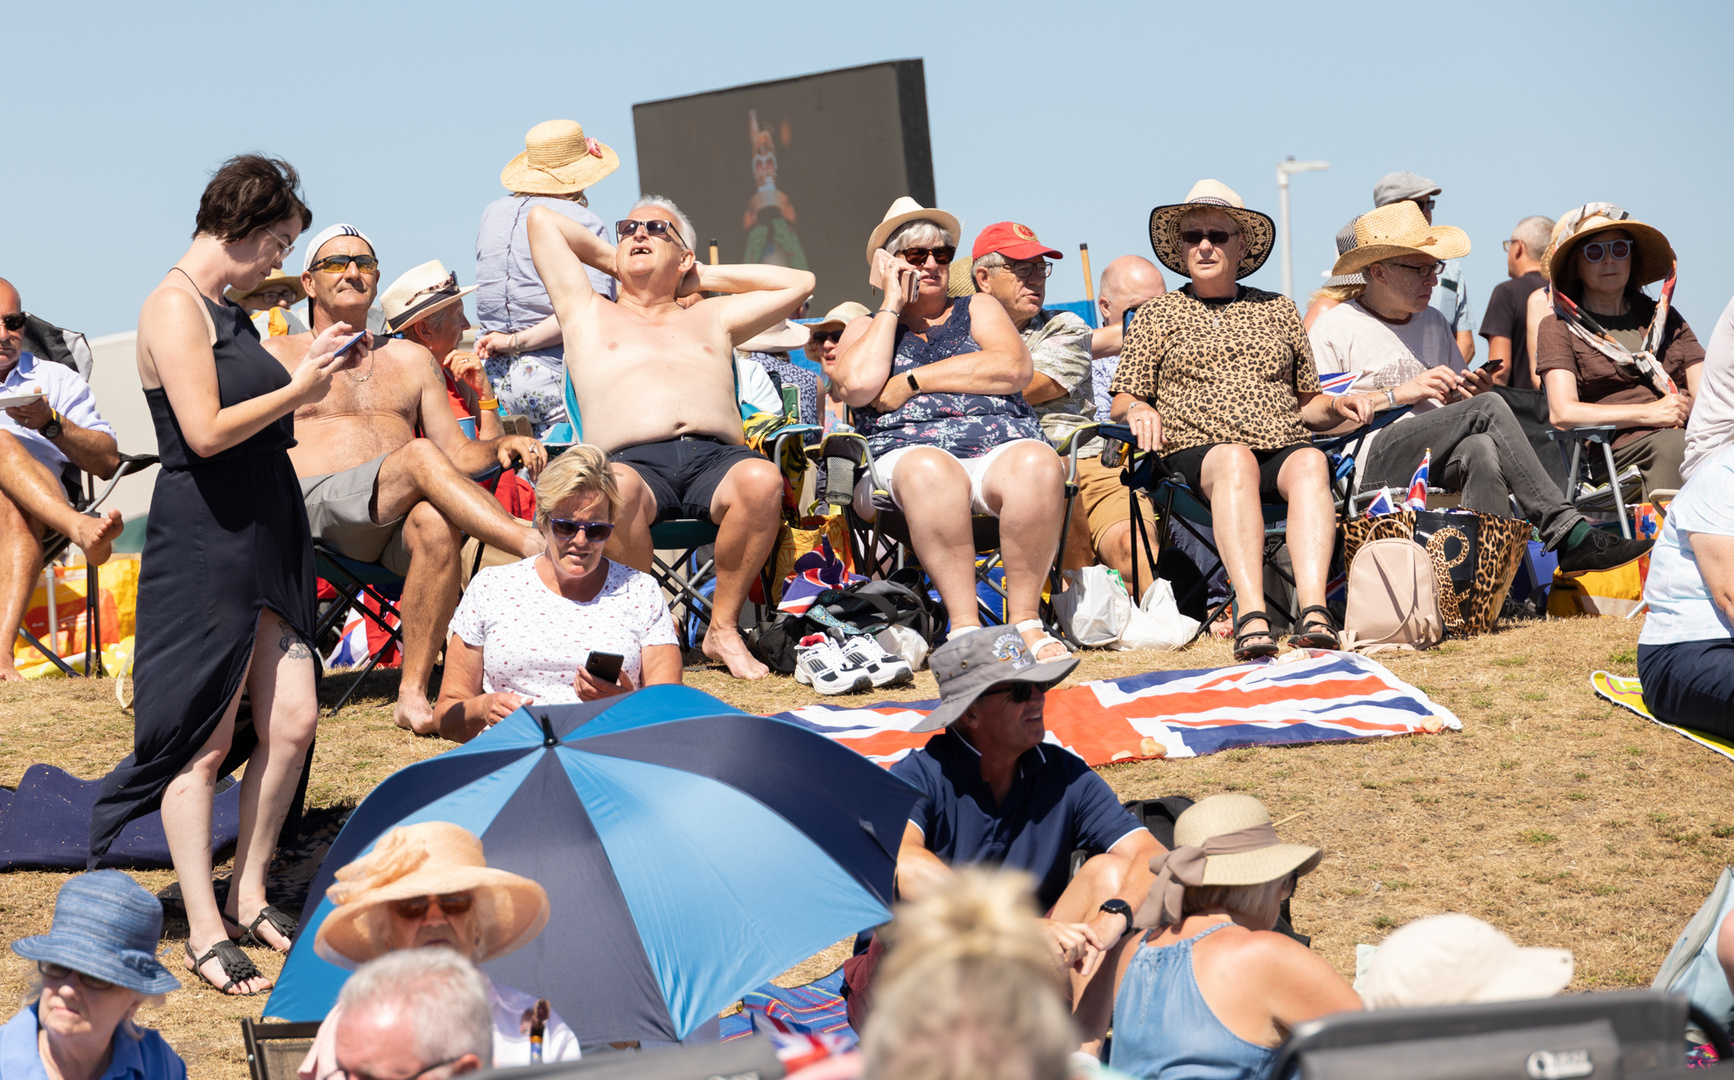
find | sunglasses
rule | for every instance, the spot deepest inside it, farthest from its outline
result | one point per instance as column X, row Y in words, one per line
column 823, row 336
column 1035, row 268
column 1020, row 692
column 1593, row 251
column 662, row 230
column 1217, row 237
column 594, row 531
column 942, row 256
column 61, row 973
column 13, row 323
column 416, row 907
column 1424, row 204
column 337, row 264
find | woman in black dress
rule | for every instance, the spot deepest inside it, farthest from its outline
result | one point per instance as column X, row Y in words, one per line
column 226, row 589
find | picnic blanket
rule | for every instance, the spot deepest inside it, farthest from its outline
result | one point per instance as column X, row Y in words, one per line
column 1321, row 696
column 45, row 825
column 817, row 1008
column 1628, row 693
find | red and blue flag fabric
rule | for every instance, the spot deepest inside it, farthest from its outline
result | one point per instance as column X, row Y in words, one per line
column 1382, row 504
column 1325, row 696
column 816, row 571
column 1337, row 385
column 1417, row 499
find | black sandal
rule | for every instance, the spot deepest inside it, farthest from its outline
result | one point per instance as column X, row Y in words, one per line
column 280, row 922
column 1243, row 651
column 236, row 966
column 1313, row 634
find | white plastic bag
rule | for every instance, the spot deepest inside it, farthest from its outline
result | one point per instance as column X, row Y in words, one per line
column 904, row 642
column 1096, row 609
column 1156, row 622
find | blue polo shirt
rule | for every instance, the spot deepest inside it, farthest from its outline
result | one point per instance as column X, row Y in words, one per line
column 1055, row 806
column 149, row 1058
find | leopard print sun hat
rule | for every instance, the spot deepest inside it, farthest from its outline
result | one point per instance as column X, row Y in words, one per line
column 1256, row 229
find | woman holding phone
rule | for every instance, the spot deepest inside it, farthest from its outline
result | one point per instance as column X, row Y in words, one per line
column 225, row 598
column 936, row 384
column 553, row 628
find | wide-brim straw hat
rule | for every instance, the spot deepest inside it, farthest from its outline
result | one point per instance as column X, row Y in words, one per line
column 1456, row 959
column 106, row 925
column 1256, row 229
column 905, row 210
column 429, row 859
column 782, row 337
column 1394, row 230
column 1652, row 261
column 419, row 292
column 838, row 317
column 960, row 278
column 276, row 279
column 558, row 159
column 1220, row 814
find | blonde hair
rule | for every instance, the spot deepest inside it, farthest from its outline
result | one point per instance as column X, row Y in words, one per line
column 1259, row 904
column 580, row 469
column 968, row 989
column 1342, row 294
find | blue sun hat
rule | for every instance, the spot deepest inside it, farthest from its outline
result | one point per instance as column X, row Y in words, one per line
column 105, row 925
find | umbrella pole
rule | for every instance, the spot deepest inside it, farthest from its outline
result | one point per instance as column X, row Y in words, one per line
column 1089, row 283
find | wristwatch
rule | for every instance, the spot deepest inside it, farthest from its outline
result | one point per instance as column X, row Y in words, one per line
column 1118, row 906
column 914, row 387
column 52, row 429
column 1391, row 396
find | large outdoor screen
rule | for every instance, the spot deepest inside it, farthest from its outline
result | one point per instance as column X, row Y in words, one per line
column 794, row 172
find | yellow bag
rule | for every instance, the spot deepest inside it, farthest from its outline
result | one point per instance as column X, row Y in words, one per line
column 117, row 593
column 1605, row 592
column 794, row 541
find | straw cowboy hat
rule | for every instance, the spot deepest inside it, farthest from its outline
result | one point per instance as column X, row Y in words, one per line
column 838, row 317
column 276, row 279
column 782, row 337
column 1256, row 229
column 960, row 280
column 1222, row 840
column 1652, row 261
column 429, row 859
column 905, row 210
column 558, row 159
column 1397, row 229
column 1457, row 959
column 419, row 292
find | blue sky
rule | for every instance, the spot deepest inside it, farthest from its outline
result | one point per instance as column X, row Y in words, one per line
column 1075, row 119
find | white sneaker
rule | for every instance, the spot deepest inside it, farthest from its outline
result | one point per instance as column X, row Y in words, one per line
column 819, row 663
column 885, row 669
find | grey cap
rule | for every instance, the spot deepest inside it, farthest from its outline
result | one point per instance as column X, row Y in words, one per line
column 976, row 661
column 1397, row 186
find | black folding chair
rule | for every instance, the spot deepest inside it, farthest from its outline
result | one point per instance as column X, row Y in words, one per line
column 275, row 1051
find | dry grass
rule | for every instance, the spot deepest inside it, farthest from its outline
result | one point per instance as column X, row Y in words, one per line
column 1555, row 816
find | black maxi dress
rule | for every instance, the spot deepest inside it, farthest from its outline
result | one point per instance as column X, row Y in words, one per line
column 227, row 537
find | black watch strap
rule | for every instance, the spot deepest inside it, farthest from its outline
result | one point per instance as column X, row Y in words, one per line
column 1119, row 907
column 51, row 429
column 913, row 385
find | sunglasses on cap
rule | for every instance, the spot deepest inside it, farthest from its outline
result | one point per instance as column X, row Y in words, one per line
column 1217, row 237
column 822, row 336
column 416, row 906
column 662, row 230
column 62, row 973
column 1594, row 251
column 13, row 322
column 337, row 264
column 567, row 528
column 941, row 256
column 1019, row 692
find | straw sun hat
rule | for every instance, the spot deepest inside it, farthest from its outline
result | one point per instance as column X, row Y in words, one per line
column 1256, row 229
column 1222, row 840
column 905, row 210
column 429, row 859
column 276, row 279
column 419, row 292
column 1653, row 260
column 1457, row 960
column 1391, row 231
column 558, row 159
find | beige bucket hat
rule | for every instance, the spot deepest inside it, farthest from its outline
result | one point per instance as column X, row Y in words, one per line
column 1256, row 229
column 1653, row 260
column 904, row 210
column 558, row 159
column 276, row 279
column 1457, row 959
column 1222, row 840
column 419, row 292
column 838, row 317
column 1397, row 229
column 782, row 337
column 429, row 859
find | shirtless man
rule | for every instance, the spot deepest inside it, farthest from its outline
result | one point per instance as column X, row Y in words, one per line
column 655, row 381
column 377, row 493
column 36, row 439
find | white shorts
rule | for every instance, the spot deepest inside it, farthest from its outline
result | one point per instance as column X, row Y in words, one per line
column 975, row 467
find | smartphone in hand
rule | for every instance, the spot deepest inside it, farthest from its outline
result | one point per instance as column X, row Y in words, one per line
column 1487, row 363
column 605, row 666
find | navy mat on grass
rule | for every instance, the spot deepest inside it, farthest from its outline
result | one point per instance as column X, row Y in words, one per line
column 45, row 825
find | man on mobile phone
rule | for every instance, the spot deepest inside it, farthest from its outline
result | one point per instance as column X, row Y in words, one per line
column 375, row 491
column 1402, row 350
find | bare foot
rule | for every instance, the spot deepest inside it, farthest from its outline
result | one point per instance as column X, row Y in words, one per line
column 213, row 973
column 96, row 536
column 8, row 673
column 414, row 713
column 724, row 644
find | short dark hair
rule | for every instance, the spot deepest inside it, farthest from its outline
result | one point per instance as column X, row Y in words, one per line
column 247, row 193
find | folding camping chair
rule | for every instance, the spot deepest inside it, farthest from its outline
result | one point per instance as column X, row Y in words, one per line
column 1583, row 494
column 274, row 1051
column 355, row 583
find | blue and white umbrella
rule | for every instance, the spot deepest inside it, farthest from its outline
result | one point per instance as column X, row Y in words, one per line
column 690, row 852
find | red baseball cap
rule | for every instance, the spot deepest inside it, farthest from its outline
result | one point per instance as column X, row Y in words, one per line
column 1012, row 240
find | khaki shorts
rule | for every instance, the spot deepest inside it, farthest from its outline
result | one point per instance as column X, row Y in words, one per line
column 1102, row 498
column 338, row 511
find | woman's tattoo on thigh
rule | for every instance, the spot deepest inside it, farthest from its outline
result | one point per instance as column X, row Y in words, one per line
column 291, row 644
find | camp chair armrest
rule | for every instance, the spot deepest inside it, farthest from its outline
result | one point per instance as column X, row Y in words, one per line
column 1071, row 444
column 1586, row 432
column 130, row 464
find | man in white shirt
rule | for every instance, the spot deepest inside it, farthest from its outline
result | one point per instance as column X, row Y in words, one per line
column 1402, row 348
column 50, row 421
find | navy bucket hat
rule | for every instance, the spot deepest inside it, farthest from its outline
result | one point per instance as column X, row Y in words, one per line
column 105, row 925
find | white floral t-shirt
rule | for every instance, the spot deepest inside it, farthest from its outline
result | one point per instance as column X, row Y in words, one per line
column 534, row 640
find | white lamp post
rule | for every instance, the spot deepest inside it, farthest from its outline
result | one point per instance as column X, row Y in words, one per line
column 1283, row 170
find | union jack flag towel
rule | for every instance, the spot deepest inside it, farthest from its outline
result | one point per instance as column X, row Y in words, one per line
column 1324, row 697
column 1417, row 499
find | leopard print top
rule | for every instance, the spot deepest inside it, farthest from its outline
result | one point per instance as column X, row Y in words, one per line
column 1221, row 371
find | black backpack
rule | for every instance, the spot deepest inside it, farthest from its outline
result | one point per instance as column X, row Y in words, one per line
column 865, row 607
